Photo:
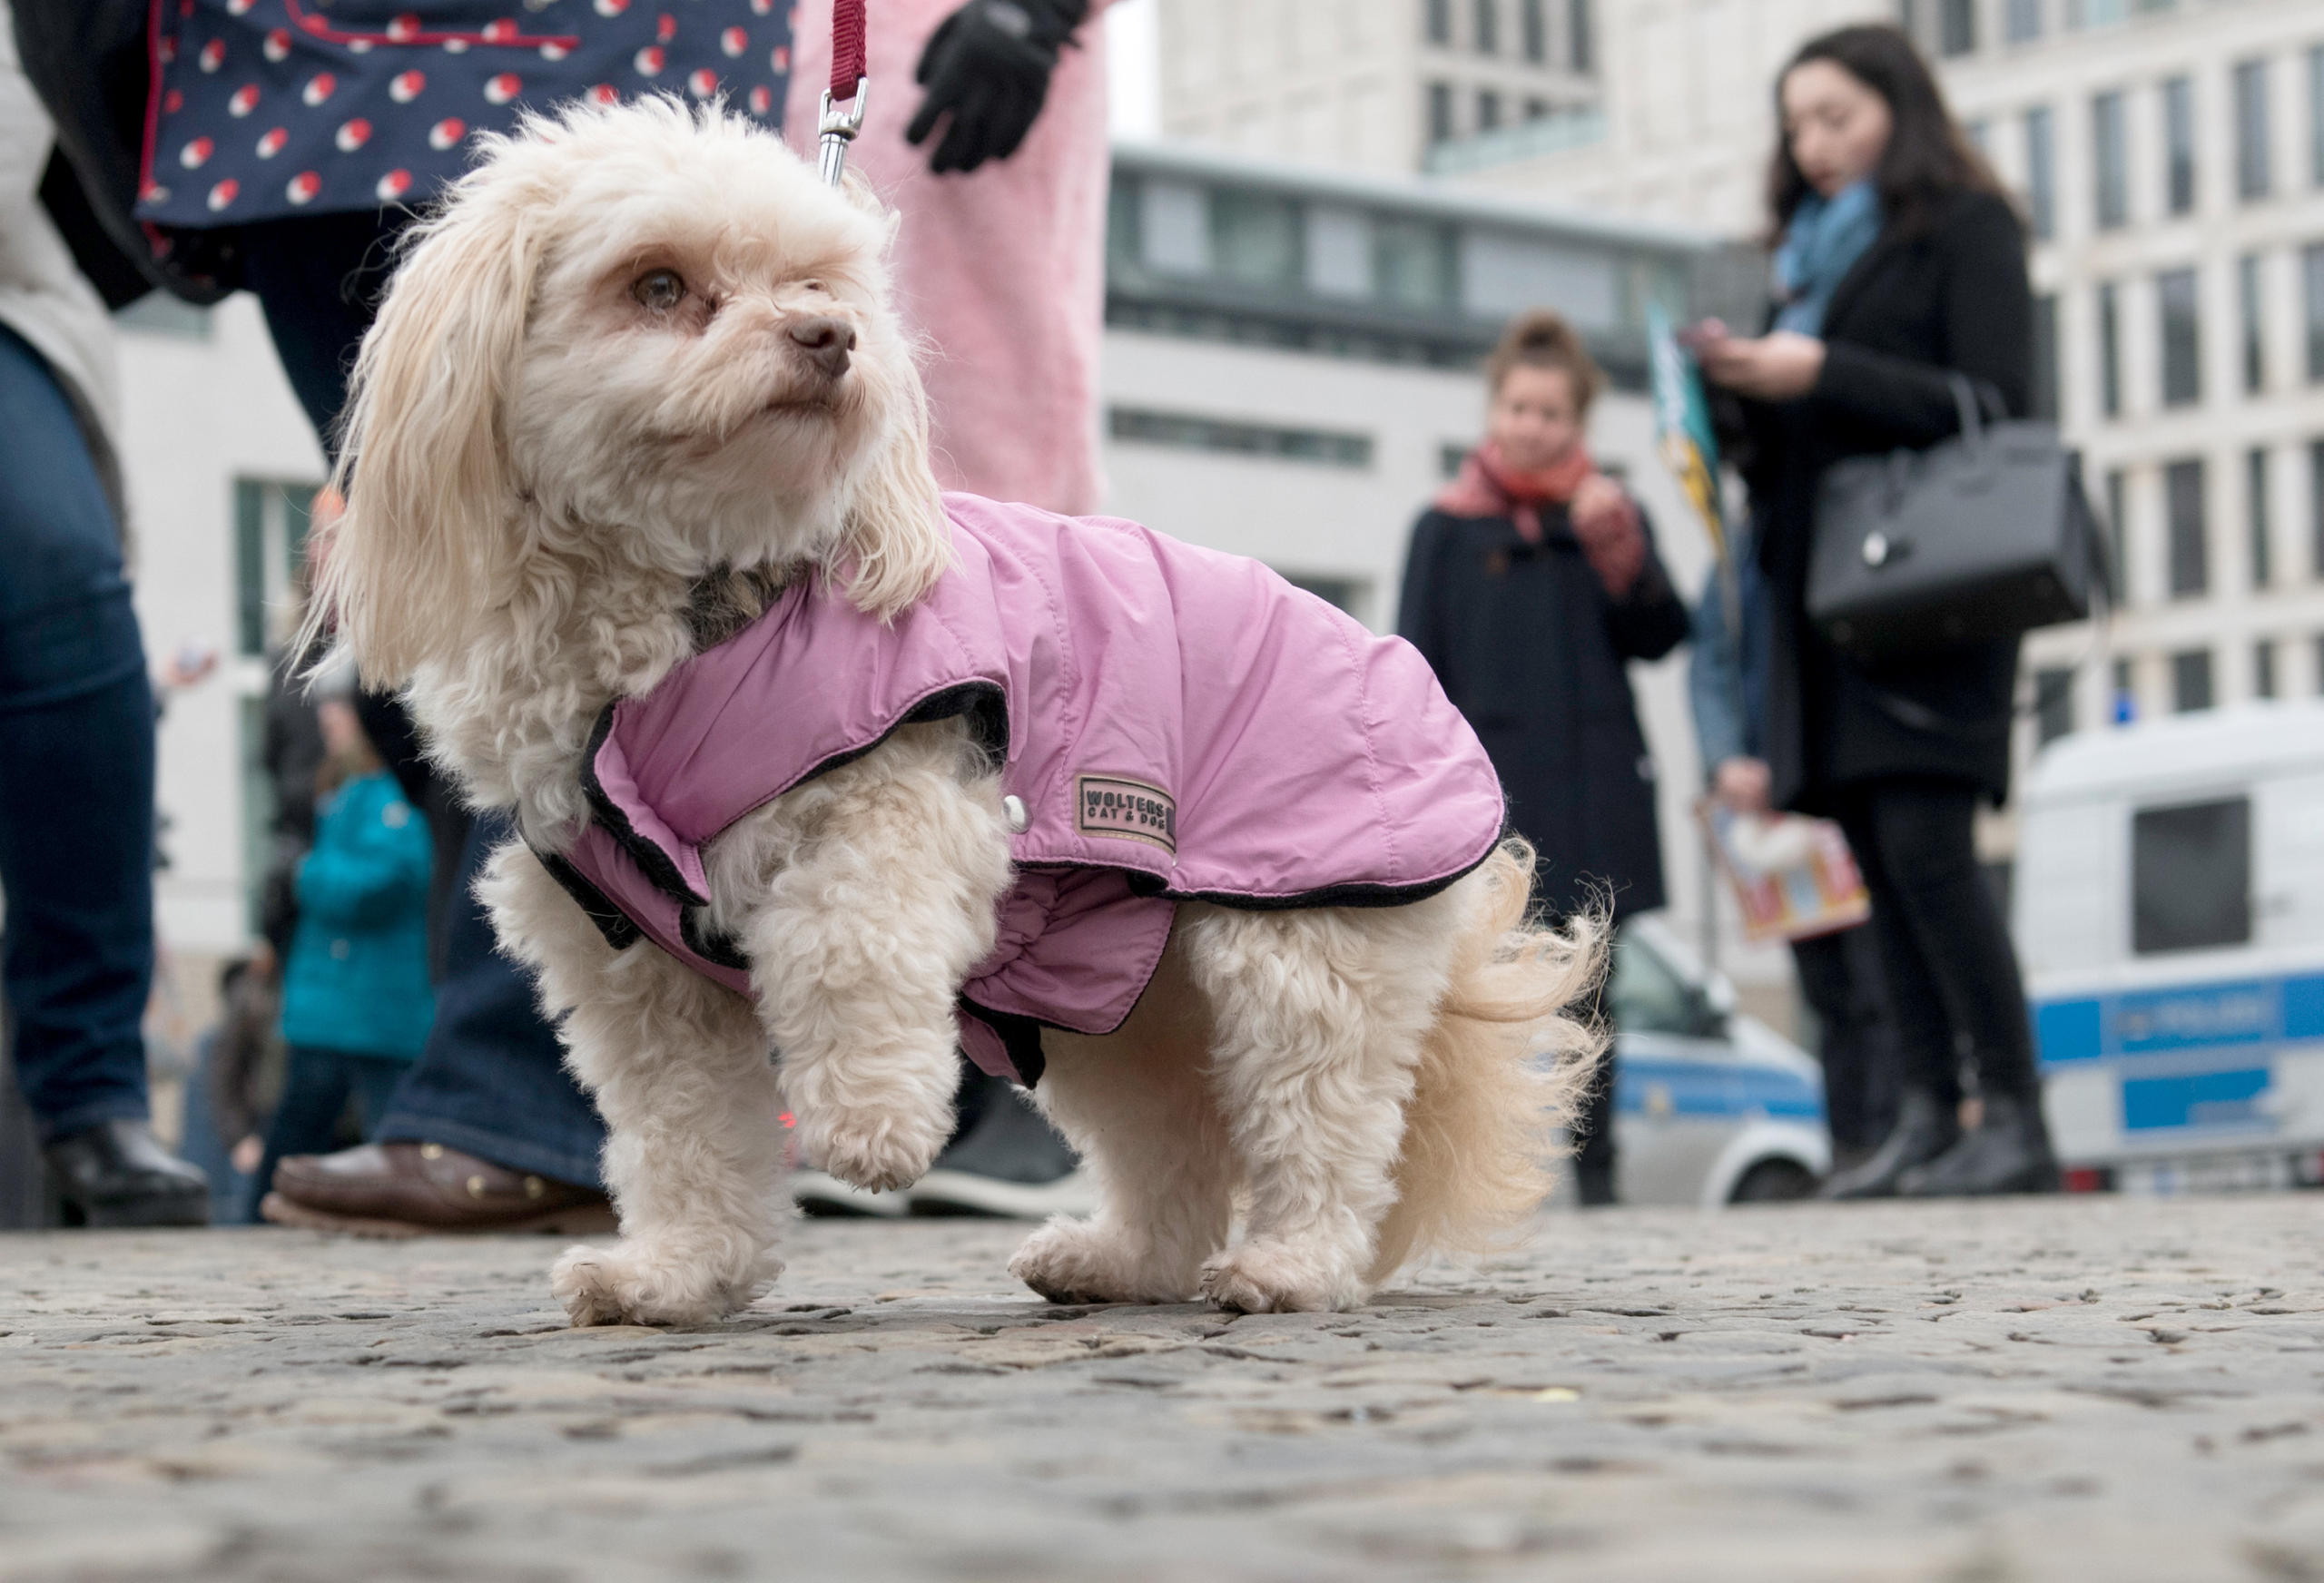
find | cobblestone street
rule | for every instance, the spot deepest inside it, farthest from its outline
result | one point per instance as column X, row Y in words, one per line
column 2084, row 1389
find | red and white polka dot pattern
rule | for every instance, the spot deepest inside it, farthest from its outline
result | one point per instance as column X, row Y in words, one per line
column 337, row 112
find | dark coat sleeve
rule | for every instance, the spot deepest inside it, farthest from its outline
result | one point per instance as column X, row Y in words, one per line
column 1987, row 312
column 1420, row 609
column 1650, row 620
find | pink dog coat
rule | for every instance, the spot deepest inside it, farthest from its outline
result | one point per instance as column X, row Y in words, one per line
column 1169, row 722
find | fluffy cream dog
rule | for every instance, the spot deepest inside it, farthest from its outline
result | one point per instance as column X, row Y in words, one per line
column 637, row 375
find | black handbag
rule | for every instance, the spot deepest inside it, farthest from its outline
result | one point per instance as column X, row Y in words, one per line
column 1984, row 535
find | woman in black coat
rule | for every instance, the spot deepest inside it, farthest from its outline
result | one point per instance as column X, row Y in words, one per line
column 1532, row 583
column 1899, row 265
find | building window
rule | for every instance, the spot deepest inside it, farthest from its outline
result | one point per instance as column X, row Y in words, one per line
column 1440, row 112
column 2044, row 397
column 1188, row 431
column 1254, row 238
column 2311, row 276
column 2109, row 161
column 2315, row 115
column 270, row 548
column 2315, row 510
column 1413, row 262
column 2041, row 172
column 2182, row 361
column 2263, row 669
column 2258, row 513
column 2179, row 144
column 1488, row 109
column 1537, row 110
column 2118, row 537
column 1956, row 26
column 1533, row 29
column 2126, row 696
column 2109, row 350
column 1438, row 23
column 2248, row 307
column 2190, row 877
column 1581, row 43
column 2252, row 175
column 2022, row 20
column 2052, row 704
column 2190, row 573
column 2191, row 681
column 1488, row 25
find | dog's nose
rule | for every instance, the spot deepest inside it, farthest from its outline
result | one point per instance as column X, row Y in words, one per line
column 826, row 341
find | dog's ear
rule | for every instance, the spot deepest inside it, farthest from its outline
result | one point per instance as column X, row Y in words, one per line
column 896, row 543
column 426, row 541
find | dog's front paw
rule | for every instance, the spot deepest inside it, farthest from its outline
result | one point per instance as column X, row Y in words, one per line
column 878, row 1151
column 1268, row 1275
column 633, row 1282
column 1075, row 1260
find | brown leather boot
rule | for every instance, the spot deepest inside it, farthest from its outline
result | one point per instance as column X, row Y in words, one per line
column 408, row 1189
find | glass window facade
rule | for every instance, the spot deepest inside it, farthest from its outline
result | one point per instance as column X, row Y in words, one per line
column 2109, row 161
column 2190, row 573
column 2022, row 20
column 2179, row 144
column 2263, row 669
column 2312, row 294
column 2109, row 350
column 1437, row 21
column 2118, row 541
column 2191, row 681
column 2042, row 170
column 2258, row 518
column 2044, row 397
column 2253, row 176
column 2182, row 348
column 1488, row 26
column 1956, row 28
column 1533, row 29
column 1580, row 37
column 2250, row 312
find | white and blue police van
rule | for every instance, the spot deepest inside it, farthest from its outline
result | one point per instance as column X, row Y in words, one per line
column 2168, row 910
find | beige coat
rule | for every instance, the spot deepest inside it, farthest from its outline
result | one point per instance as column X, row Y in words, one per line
column 42, row 296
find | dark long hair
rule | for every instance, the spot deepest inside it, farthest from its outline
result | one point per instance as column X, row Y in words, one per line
column 1928, row 157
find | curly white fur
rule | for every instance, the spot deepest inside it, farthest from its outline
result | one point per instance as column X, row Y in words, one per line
column 602, row 382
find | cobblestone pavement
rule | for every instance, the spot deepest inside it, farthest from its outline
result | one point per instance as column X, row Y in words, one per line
column 2086, row 1389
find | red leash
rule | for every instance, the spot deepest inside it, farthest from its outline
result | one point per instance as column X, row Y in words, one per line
column 838, row 128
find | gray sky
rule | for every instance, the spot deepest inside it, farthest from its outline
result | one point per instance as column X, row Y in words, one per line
column 1132, row 51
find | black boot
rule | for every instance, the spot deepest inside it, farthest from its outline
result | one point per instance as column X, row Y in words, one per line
column 2008, row 1153
column 1927, row 1126
column 117, row 1174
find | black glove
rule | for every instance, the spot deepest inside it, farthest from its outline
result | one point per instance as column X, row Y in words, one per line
column 988, row 67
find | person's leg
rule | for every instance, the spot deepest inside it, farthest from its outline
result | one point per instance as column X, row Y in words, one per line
column 318, row 279
column 492, row 1081
column 1876, row 1022
column 1926, row 828
column 1824, row 963
column 76, row 815
column 314, row 1093
column 1926, row 1058
column 374, row 1080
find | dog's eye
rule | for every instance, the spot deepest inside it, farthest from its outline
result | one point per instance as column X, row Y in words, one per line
column 814, row 285
column 659, row 289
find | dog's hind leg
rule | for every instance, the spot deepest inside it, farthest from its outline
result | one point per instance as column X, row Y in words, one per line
column 1138, row 1106
column 679, row 1070
column 1319, row 1017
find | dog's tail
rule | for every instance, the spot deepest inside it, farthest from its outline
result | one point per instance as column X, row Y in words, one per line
column 1504, row 1067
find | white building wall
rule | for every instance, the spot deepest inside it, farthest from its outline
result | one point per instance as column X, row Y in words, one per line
column 197, row 415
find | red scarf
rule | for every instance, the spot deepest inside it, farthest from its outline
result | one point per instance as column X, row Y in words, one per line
column 1488, row 487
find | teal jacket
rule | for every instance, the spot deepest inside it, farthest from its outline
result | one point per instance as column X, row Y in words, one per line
column 358, row 975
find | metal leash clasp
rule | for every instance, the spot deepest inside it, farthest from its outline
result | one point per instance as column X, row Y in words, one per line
column 837, row 129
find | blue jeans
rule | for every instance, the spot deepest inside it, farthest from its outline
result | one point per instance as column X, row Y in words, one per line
column 316, row 1087
column 491, row 1081
column 76, row 769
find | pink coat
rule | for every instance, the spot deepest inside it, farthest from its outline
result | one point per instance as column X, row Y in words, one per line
column 1003, row 270
column 1170, row 724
